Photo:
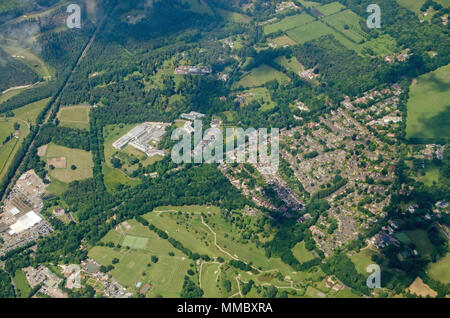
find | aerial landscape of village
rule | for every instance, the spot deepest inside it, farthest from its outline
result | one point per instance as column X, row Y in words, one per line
column 225, row 149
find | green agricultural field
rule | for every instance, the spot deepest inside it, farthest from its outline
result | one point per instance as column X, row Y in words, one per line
column 260, row 75
column 233, row 16
column 440, row 270
column 131, row 229
column 308, row 4
column 6, row 129
column 444, row 3
column 5, row 96
column 289, row 23
column 9, row 149
column 345, row 293
column 74, row 116
column 260, row 95
column 115, row 177
column 30, row 112
column 135, row 242
column 7, row 152
column 301, row 253
column 429, row 106
column 312, row 292
column 165, row 277
column 331, row 8
column 362, row 260
column 198, row 7
column 382, row 45
column 56, row 186
column 291, row 64
column 431, row 175
column 413, row 5
column 347, row 22
column 20, row 282
column 32, row 61
column 80, row 158
column 283, row 41
column 114, row 236
column 309, row 32
column 349, row 44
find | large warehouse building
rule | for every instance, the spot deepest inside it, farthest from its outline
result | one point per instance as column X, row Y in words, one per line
column 24, row 223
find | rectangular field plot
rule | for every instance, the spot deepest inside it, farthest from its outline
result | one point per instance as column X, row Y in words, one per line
column 331, row 8
column 283, row 41
column 301, row 253
column 429, row 107
column 10, row 148
column 80, row 160
column 309, row 32
column 289, row 23
column 308, row 4
column 75, row 116
column 165, row 277
column 291, row 64
column 413, row 5
column 31, row 111
column 440, row 270
column 261, row 75
column 347, row 22
column 135, row 242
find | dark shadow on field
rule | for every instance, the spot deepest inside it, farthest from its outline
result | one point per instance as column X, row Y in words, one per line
column 439, row 125
column 437, row 84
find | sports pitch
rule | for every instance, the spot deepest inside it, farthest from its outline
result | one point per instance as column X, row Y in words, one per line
column 135, row 242
column 75, row 116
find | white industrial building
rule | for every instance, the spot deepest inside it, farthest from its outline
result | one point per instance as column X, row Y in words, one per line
column 140, row 137
column 132, row 134
column 24, row 223
column 192, row 116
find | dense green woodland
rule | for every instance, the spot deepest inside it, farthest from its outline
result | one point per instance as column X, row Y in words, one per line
column 6, row 288
column 14, row 72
